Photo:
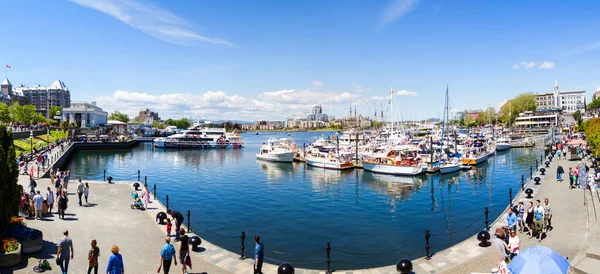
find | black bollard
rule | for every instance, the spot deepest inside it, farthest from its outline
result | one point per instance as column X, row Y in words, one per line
column 328, row 249
column 154, row 191
column 243, row 247
column 509, row 197
column 487, row 222
column 104, row 175
column 427, row 235
column 138, row 175
column 188, row 223
column 285, row 268
column 167, row 202
column 404, row 266
column 522, row 182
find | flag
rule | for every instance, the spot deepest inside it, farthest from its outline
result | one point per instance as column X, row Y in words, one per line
column 7, row 66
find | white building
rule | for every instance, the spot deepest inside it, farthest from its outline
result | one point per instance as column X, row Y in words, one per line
column 568, row 101
column 529, row 119
column 84, row 114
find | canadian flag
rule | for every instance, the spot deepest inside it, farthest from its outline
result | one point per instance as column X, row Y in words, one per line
column 7, row 66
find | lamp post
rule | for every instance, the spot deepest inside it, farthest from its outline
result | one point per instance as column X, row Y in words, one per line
column 48, row 136
column 31, row 140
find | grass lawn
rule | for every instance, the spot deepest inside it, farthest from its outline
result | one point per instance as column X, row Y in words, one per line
column 24, row 145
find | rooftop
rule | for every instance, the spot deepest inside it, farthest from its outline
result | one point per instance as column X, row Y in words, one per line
column 6, row 82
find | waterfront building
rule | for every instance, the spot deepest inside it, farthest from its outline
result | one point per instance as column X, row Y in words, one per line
column 84, row 114
column 42, row 97
column 596, row 93
column 537, row 119
column 146, row 117
column 567, row 101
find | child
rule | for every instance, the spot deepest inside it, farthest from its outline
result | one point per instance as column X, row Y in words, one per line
column 503, row 268
column 86, row 191
column 169, row 226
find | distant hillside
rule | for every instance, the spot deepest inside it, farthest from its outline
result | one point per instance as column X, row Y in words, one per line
column 234, row 121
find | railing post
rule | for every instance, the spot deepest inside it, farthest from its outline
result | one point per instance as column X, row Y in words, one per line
column 243, row 247
column 188, row 223
column 145, row 180
column 510, row 197
column 531, row 172
column 487, row 222
column 154, row 191
column 427, row 235
column 522, row 182
column 138, row 175
column 104, row 175
column 328, row 249
column 167, row 202
column 536, row 164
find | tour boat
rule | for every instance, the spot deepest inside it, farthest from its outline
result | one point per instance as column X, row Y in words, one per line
column 502, row 144
column 403, row 160
column 328, row 159
column 278, row 150
column 198, row 136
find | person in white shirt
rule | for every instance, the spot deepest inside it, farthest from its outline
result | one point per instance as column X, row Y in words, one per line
column 514, row 244
column 38, row 201
column 49, row 199
column 80, row 190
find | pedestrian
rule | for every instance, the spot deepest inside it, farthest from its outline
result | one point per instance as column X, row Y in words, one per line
column 86, row 192
column 178, row 221
column 93, row 258
column 559, row 173
column 115, row 262
column 49, row 199
column 62, row 204
column 547, row 215
column 167, row 253
column 38, row 202
column 511, row 219
column 169, row 226
column 521, row 216
column 32, row 185
column 65, row 252
column 146, row 196
column 66, row 181
column 80, row 187
column 258, row 255
column 576, row 175
column 184, row 249
column 514, row 244
column 558, row 153
column 539, row 220
column 58, row 186
column 571, row 178
column 529, row 219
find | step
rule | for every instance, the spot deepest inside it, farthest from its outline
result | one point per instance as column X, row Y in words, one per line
column 593, row 253
column 586, row 266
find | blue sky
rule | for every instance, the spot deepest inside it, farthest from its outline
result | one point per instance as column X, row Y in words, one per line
column 270, row 59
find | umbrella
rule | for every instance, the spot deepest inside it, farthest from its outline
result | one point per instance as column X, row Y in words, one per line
column 539, row 259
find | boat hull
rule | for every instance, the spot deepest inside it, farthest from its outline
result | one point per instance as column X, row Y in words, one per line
column 449, row 168
column 394, row 170
column 277, row 157
column 323, row 163
column 502, row 146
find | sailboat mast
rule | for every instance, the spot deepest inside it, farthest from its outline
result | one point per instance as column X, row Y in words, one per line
column 443, row 124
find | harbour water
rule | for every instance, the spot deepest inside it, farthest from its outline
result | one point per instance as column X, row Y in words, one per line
column 370, row 220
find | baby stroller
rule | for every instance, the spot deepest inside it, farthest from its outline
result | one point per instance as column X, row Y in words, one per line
column 137, row 202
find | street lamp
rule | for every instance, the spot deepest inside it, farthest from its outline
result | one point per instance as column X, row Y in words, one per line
column 48, row 136
column 31, row 138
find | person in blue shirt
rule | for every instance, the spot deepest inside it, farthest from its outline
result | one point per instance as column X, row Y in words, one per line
column 258, row 255
column 511, row 219
column 115, row 262
column 166, row 256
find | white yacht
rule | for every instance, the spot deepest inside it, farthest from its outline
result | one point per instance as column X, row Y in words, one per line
column 328, row 159
column 198, row 136
column 452, row 165
column 403, row 160
column 502, row 144
column 278, row 150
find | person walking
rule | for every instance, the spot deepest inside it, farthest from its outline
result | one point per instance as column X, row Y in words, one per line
column 547, row 215
column 559, row 173
column 529, row 219
column 93, row 258
column 115, row 262
column 184, row 249
column 32, row 185
column 539, row 220
column 146, row 196
column 521, row 216
column 571, row 178
column 166, row 256
column 178, row 221
column 65, row 252
column 86, row 192
column 62, row 204
column 258, row 255
column 514, row 244
column 49, row 199
column 66, row 181
column 80, row 187
column 38, row 202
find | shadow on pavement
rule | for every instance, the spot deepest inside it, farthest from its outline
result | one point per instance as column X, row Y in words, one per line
column 48, row 252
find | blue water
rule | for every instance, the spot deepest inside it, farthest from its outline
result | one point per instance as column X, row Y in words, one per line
column 296, row 209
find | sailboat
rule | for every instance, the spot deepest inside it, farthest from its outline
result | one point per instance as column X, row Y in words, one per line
column 447, row 165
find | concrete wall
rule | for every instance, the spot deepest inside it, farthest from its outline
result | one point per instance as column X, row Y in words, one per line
column 91, row 146
column 25, row 134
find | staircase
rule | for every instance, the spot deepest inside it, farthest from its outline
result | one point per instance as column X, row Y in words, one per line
column 589, row 263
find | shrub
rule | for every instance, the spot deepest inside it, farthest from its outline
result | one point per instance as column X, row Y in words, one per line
column 23, row 233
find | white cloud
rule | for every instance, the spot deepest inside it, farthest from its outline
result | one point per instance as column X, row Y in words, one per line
column 317, row 84
column 153, row 20
column 359, row 88
column 406, row 93
column 584, row 48
column 524, row 65
column 397, row 9
column 516, row 66
column 380, row 98
column 547, row 65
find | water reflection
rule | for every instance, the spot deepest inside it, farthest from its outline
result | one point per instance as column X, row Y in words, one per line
column 277, row 171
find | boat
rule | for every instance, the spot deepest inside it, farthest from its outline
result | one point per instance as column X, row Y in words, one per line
column 453, row 165
column 402, row 160
column 478, row 152
column 278, row 150
column 198, row 136
column 328, row 159
column 502, row 144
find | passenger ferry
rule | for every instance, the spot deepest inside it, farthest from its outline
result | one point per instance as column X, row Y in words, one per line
column 198, row 136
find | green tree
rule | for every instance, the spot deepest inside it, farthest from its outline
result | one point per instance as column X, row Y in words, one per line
column 53, row 111
column 10, row 191
column 117, row 115
column 4, row 113
column 24, row 114
column 594, row 104
column 183, row 123
column 170, row 122
column 158, row 124
column 523, row 102
column 578, row 118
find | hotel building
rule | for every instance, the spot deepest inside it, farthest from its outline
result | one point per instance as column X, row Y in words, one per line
column 567, row 101
column 42, row 97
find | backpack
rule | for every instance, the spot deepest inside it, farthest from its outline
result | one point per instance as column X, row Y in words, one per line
column 33, row 183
